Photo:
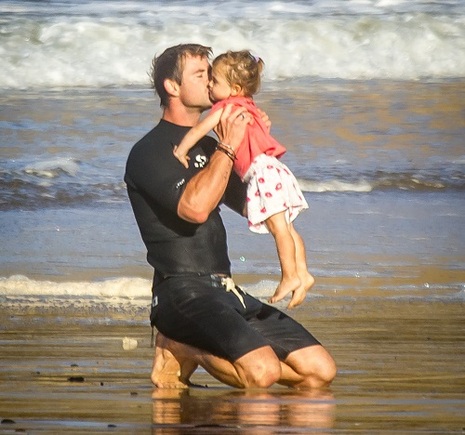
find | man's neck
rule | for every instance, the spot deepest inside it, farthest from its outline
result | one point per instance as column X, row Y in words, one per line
column 187, row 117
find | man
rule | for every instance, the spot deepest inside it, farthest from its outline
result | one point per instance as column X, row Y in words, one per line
column 202, row 318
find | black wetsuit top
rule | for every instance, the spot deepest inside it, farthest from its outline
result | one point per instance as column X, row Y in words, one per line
column 155, row 181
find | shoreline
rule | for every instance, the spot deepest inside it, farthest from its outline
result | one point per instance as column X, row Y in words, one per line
column 398, row 281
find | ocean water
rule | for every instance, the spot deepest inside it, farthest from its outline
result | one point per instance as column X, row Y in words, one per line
column 368, row 97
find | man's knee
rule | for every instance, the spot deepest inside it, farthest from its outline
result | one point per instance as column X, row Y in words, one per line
column 259, row 369
column 315, row 365
column 264, row 376
column 323, row 367
column 328, row 371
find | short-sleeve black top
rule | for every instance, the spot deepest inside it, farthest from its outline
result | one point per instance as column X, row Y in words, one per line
column 155, row 181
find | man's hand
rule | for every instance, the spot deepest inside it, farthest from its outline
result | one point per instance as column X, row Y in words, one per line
column 232, row 125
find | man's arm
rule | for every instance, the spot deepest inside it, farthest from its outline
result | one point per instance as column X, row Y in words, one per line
column 205, row 190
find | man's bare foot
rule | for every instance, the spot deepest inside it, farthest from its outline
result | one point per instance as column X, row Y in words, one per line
column 169, row 371
column 285, row 287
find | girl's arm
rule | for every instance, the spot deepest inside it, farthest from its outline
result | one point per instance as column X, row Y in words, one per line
column 194, row 135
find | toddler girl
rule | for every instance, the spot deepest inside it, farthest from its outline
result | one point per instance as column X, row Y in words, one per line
column 274, row 198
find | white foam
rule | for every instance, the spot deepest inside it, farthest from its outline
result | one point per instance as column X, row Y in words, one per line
column 335, row 186
column 51, row 168
column 121, row 289
column 102, row 45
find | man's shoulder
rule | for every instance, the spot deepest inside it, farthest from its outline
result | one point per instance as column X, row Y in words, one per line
column 145, row 140
column 157, row 146
column 140, row 154
column 151, row 144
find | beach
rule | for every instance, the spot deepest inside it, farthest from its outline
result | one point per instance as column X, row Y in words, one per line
column 369, row 100
column 400, row 371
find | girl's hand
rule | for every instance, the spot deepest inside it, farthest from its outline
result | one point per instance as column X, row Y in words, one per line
column 265, row 119
column 183, row 158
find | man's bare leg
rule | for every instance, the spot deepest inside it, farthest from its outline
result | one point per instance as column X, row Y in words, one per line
column 311, row 368
column 167, row 370
column 175, row 362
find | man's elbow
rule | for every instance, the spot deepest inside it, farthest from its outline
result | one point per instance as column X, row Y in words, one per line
column 193, row 216
column 199, row 218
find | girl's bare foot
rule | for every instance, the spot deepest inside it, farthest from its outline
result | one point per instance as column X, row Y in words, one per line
column 285, row 287
column 168, row 370
column 307, row 281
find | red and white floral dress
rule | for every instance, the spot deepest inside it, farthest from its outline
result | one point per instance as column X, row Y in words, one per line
column 272, row 187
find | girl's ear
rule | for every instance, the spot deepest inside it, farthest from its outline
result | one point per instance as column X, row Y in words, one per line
column 171, row 87
column 236, row 90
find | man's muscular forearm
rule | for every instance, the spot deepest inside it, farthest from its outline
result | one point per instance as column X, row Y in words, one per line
column 205, row 190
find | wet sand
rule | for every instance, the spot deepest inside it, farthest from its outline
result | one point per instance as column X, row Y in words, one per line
column 400, row 362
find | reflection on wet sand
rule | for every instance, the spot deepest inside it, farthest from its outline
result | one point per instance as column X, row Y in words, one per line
column 260, row 410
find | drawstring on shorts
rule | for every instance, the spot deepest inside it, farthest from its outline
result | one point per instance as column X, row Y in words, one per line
column 230, row 286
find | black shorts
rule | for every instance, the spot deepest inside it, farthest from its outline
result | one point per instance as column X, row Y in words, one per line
column 200, row 312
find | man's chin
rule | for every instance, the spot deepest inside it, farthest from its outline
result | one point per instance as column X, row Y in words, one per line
column 207, row 107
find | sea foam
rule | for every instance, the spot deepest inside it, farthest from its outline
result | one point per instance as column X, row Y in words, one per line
column 129, row 289
column 90, row 46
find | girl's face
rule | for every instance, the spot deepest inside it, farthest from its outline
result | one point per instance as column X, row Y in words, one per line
column 219, row 87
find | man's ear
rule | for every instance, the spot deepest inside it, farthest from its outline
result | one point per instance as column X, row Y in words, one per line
column 171, row 87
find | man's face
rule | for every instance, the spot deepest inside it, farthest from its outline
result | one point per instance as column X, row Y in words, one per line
column 194, row 86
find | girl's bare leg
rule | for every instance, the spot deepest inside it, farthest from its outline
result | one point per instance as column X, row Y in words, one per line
column 286, row 248
column 306, row 278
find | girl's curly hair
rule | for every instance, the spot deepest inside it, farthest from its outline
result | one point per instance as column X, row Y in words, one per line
column 242, row 68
